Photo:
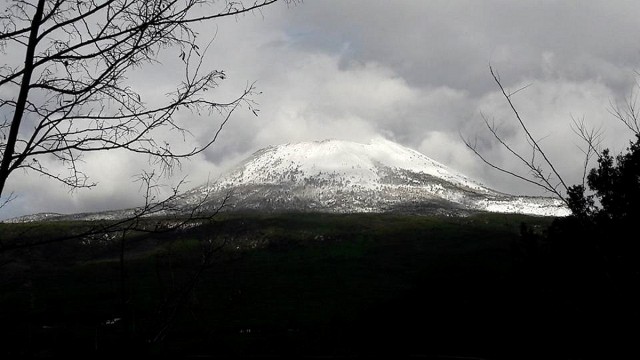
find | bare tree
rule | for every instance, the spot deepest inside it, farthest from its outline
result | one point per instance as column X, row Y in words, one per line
column 592, row 250
column 541, row 170
column 627, row 112
column 70, row 94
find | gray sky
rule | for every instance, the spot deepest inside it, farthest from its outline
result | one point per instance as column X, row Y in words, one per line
column 416, row 72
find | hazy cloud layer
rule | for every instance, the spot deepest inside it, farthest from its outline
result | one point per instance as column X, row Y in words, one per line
column 414, row 72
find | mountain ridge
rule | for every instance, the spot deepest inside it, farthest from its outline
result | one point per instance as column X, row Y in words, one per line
column 339, row 176
column 343, row 176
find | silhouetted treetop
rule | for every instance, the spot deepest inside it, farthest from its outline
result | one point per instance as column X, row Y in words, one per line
column 615, row 183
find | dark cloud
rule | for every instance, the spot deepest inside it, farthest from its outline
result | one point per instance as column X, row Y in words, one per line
column 450, row 43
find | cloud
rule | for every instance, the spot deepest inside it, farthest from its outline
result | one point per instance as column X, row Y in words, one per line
column 415, row 72
column 445, row 43
column 447, row 148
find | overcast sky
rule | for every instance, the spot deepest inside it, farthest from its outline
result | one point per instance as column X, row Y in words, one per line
column 415, row 72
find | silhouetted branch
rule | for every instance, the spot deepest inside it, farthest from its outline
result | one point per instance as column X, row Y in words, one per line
column 6, row 200
column 73, row 88
column 474, row 147
column 627, row 113
column 524, row 127
column 538, row 173
column 592, row 137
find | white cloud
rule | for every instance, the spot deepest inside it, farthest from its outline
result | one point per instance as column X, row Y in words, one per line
column 447, row 149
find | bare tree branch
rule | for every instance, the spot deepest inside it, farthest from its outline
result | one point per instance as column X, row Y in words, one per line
column 541, row 171
column 627, row 112
column 592, row 137
column 73, row 87
column 473, row 147
column 524, row 127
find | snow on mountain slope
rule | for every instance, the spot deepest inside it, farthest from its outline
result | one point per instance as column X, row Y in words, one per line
column 358, row 163
column 342, row 176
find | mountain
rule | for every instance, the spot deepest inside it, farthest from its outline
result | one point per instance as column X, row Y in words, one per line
column 344, row 177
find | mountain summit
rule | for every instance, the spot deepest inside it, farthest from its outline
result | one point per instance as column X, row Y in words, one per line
column 344, row 177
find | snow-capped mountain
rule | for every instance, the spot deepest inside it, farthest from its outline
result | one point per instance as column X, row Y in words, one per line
column 342, row 176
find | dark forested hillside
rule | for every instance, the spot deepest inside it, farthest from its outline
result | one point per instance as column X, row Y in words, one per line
column 297, row 285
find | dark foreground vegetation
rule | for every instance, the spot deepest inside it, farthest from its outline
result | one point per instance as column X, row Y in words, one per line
column 310, row 285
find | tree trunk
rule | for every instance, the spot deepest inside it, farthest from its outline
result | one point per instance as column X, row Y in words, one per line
column 5, row 166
